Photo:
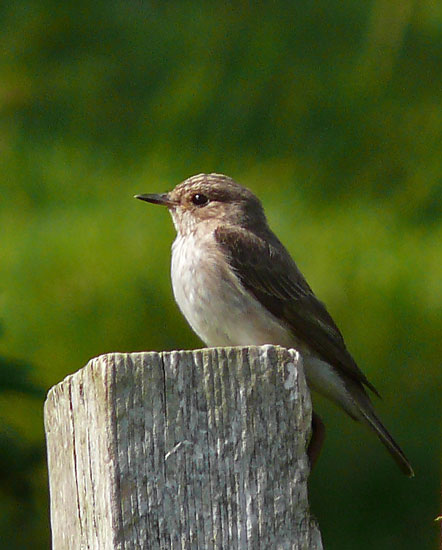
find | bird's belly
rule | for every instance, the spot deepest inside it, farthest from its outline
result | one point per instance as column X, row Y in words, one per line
column 216, row 305
column 223, row 313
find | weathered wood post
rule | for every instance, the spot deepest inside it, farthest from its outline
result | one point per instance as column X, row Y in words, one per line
column 183, row 450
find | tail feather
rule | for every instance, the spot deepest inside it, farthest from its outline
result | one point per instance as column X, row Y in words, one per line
column 390, row 444
column 366, row 411
column 351, row 395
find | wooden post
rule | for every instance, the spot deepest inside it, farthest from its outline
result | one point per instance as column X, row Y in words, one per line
column 183, row 450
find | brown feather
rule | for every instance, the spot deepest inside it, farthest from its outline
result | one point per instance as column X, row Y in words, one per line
column 266, row 269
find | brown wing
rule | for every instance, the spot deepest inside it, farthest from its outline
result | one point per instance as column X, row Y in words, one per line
column 266, row 269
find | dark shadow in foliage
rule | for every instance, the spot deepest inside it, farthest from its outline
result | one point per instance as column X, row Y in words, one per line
column 19, row 459
column 15, row 376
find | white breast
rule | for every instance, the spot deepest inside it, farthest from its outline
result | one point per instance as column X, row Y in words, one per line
column 214, row 302
column 223, row 313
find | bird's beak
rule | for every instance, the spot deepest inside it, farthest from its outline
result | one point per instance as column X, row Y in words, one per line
column 162, row 198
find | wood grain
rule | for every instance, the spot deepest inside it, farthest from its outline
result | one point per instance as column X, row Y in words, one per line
column 182, row 450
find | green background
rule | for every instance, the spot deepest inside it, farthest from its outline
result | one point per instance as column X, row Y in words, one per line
column 331, row 112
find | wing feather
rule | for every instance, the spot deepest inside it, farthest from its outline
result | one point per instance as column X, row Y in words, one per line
column 266, row 269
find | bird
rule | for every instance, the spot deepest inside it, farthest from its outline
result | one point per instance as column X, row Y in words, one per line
column 237, row 285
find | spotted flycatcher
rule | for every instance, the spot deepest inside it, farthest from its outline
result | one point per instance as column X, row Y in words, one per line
column 237, row 285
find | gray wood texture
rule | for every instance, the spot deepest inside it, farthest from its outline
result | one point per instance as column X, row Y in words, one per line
column 182, row 450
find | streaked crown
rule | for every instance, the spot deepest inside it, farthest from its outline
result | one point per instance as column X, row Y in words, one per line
column 214, row 197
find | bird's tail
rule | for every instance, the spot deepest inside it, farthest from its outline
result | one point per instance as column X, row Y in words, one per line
column 391, row 445
column 368, row 415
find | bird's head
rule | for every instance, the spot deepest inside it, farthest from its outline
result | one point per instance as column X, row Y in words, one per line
column 210, row 198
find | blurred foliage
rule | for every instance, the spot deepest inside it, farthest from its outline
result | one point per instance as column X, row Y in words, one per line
column 330, row 111
column 20, row 458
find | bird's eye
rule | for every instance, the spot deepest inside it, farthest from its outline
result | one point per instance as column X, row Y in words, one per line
column 199, row 199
